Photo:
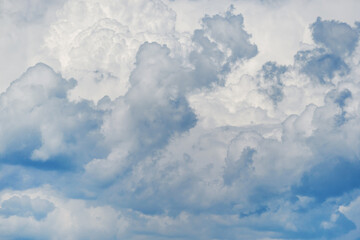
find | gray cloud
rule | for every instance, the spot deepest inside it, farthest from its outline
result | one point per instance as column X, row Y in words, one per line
column 24, row 206
column 192, row 147
column 49, row 129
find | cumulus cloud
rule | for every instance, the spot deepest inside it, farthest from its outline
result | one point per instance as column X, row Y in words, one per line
column 48, row 128
column 24, row 206
column 24, row 23
column 96, row 42
column 338, row 37
column 155, row 108
column 167, row 134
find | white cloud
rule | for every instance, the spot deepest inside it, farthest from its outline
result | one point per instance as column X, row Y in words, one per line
column 40, row 123
column 96, row 42
column 212, row 127
column 24, row 23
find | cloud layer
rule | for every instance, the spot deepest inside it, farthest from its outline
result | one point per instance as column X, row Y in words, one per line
column 135, row 125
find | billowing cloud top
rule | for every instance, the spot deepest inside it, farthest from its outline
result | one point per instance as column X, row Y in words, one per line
column 179, row 120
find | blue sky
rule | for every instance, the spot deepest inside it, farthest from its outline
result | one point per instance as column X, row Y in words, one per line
column 182, row 119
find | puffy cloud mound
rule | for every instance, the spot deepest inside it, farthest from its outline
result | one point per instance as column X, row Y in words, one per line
column 182, row 142
column 96, row 42
column 49, row 129
column 24, row 206
column 339, row 38
column 222, row 41
column 155, row 108
column 336, row 40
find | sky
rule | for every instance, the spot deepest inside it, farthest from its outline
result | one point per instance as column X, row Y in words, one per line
column 179, row 119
